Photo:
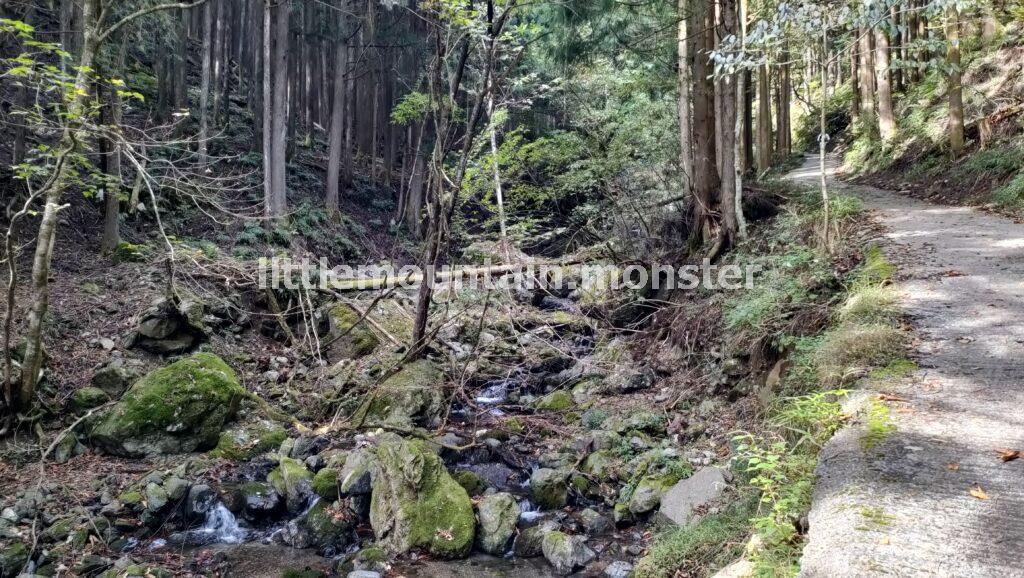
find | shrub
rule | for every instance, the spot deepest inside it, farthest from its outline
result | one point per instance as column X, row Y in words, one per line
column 850, row 349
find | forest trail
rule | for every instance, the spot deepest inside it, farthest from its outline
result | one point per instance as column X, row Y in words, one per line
column 905, row 507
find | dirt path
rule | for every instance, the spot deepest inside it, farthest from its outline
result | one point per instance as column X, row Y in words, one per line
column 904, row 508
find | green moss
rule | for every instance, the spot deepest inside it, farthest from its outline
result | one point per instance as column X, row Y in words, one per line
column 878, row 425
column 248, row 441
column 87, row 398
column 417, row 504
column 358, row 339
column 325, row 484
column 410, row 397
column 896, row 369
column 130, row 498
column 555, row 401
column 178, row 408
column 474, row 484
column 288, row 474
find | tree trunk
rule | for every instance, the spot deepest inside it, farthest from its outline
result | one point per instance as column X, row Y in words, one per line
column 277, row 205
column 496, row 169
column 954, row 87
column 204, row 88
column 729, row 132
column 886, row 116
column 854, row 85
column 683, row 105
column 764, row 120
column 111, row 201
column 337, row 136
column 867, row 78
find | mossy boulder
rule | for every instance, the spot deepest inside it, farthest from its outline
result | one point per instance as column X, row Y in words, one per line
column 244, row 441
column 498, row 514
column 548, row 488
column 292, row 480
column 648, row 492
column 565, row 553
column 321, row 526
column 353, row 338
column 176, row 409
column 471, row 481
column 411, row 397
column 325, row 483
column 87, row 398
column 555, row 401
column 417, row 504
column 259, row 500
column 12, row 559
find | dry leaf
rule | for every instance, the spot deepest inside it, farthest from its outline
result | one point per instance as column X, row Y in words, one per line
column 890, row 397
column 884, row 541
column 952, row 466
column 979, row 493
column 1008, row 455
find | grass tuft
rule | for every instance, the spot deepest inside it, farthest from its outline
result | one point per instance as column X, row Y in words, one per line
column 849, row 350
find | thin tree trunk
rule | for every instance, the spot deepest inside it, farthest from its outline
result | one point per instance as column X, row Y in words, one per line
column 764, row 120
column 204, row 88
column 867, row 78
column 280, row 112
column 955, row 87
column 854, row 85
column 683, row 104
column 337, row 136
column 498, row 195
column 729, row 131
column 111, row 201
column 886, row 116
column 268, row 112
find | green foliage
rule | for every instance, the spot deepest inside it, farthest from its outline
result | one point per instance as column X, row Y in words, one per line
column 413, row 107
column 878, row 424
column 1011, row 195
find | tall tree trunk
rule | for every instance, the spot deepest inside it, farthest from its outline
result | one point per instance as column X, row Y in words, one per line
column 764, row 120
column 268, row 109
column 277, row 205
column 731, row 192
column 338, row 104
column 705, row 164
column 867, row 78
column 111, row 201
column 496, row 172
column 854, row 84
column 954, row 86
column 204, row 88
column 683, row 104
column 886, row 116
column 748, row 120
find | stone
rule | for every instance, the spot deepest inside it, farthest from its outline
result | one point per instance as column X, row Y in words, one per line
column 529, row 542
column 179, row 408
column 115, row 377
column 156, row 497
column 364, row 574
column 292, row 480
column 417, row 504
column 594, row 523
column 321, row 526
column 87, row 398
column 175, row 488
column 498, row 515
column 618, row 569
column 259, row 500
column 647, row 494
column 352, row 337
column 411, row 397
column 249, row 438
column 555, row 401
column 472, row 482
column 91, row 564
column 741, row 568
column 566, row 553
column 357, row 473
column 67, row 447
column 548, row 488
column 199, row 501
column 325, row 484
column 12, row 559
column 686, row 498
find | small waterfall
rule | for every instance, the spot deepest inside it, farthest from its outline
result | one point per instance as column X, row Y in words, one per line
column 221, row 526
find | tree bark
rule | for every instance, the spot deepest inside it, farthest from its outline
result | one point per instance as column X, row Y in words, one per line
column 867, row 78
column 729, row 122
column 954, row 84
column 111, row 201
column 705, row 165
column 683, row 105
column 338, row 104
column 886, row 116
column 277, row 203
column 204, row 87
column 764, row 120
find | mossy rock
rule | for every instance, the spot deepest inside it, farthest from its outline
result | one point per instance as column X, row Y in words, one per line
column 245, row 441
column 322, row 525
column 176, row 409
column 472, row 482
column 87, row 398
column 555, row 401
column 292, row 480
column 411, row 397
column 548, row 488
column 12, row 559
column 325, row 483
column 354, row 338
column 648, row 492
column 417, row 504
column 498, row 515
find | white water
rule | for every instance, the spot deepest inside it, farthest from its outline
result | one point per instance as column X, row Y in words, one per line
column 222, row 526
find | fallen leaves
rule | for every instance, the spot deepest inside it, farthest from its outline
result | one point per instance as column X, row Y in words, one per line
column 953, row 466
column 979, row 493
column 884, row 541
column 891, row 397
column 1008, row 455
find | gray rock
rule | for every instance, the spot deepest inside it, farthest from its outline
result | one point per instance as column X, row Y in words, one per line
column 363, row 574
column 356, row 475
column 12, row 559
column 565, row 553
column 497, row 515
column 594, row 523
column 156, row 497
column 618, row 569
column 529, row 542
column 260, row 500
column 176, row 488
column 199, row 501
column 681, row 502
column 115, row 377
column 548, row 488
column 318, row 528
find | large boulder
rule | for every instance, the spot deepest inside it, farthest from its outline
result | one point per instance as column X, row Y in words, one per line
column 565, row 553
column 351, row 336
column 417, row 504
column 321, row 526
column 171, row 326
column 682, row 503
column 498, row 515
column 411, row 397
column 292, row 480
column 548, row 488
column 176, row 409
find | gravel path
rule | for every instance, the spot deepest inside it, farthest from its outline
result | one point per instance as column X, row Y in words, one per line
column 904, row 508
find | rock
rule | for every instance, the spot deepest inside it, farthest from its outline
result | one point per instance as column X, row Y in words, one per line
column 67, row 447
column 91, row 564
column 594, row 523
column 167, row 328
column 320, row 527
column 600, row 464
column 372, row 559
column 12, row 559
column 176, row 409
column 473, row 483
column 115, row 377
column 175, row 488
column 325, row 484
column 292, row 480
column 647, row 494
column 244, row 441
column 364, row 574
column 59, row 530
column 555, row 401
column 565, row 553
column 618, row 569
column 156, row 497
column 529, row 542
column 353, row 338
column 498, row 515
column 741, row 568
column 107, row 343
column 548, row 488
column 357, row 473
column 199, row 501
column 417, row 504
column 87, row 398
column 411, row 397
column 681, row 503
column 260, row 500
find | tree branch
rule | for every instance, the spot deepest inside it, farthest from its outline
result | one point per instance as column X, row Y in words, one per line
column 143, row 12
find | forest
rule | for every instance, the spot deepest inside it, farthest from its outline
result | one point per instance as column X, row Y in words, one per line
column 620, row 288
